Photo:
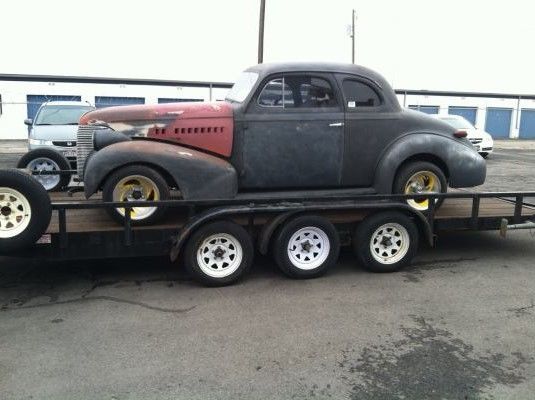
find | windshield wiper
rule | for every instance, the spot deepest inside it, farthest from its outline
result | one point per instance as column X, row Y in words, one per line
column 43, row 124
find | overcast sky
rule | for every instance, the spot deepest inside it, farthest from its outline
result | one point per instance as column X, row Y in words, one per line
column 472, row 45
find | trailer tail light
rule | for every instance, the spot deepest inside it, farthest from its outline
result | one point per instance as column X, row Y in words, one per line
column 460, row 134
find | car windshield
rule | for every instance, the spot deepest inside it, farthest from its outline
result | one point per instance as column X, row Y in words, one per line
column 61, row 115
column 458, row 123
column 242, row 87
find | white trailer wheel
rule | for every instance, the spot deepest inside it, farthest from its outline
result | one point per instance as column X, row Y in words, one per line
column 308, row 248
column 389, row 243
column 43, row 164
column 219, row 255
column 15, row 213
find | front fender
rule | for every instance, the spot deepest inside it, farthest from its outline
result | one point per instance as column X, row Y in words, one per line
column 198, row 175
column 466, row 168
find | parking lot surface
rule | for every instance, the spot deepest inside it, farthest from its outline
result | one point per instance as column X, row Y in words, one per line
column 458, row 324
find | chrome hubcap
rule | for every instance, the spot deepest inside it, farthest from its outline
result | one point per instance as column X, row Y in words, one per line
column 45, row 164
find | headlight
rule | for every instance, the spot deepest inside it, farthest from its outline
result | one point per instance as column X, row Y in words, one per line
column 40, row 142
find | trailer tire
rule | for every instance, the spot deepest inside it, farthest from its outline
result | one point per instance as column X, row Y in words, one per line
column 47, row 160
column 219, row 253
column 25, row 210
column 314, row 260
column 385, row 242
column 148, row 182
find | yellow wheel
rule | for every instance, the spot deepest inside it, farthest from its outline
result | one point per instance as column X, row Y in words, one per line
column 421, row 178
column 136, row 183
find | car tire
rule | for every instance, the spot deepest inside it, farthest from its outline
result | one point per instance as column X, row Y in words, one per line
column 219, row 253
column 47, row 160
column 136, row 180
column 410, row 173
column 385, row 242
column 25, row 210
column 322, row 243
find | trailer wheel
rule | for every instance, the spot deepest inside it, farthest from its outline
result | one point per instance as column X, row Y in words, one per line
column 136, row 183
column 385, row 242
column 219, row 253
column 306, row 247
column 421, row 177
column 25, row 210
column 47, row 160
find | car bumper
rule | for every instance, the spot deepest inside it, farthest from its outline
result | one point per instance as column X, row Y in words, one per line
column 484, row 147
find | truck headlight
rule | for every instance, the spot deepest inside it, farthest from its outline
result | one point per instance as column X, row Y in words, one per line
column 40, row 142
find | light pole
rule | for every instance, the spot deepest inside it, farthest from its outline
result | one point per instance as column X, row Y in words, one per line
column 261, row 32
column 353, row 19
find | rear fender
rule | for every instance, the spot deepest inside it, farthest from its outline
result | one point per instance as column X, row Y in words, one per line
column 466, row 168
column 198, row 175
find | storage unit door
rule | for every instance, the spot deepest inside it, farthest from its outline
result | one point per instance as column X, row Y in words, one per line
column 498, row 122
column 425, row 109
column 107, row 101
column 468, row 113
column 527, row 123
column 34, row 101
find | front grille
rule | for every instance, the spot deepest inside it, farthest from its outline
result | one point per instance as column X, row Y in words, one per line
column 69, row 143
column 475, row 140
column 84, row 146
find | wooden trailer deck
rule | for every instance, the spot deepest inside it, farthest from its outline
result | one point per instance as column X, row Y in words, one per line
column 456, row 211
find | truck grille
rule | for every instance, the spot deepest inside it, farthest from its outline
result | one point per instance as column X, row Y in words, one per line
column 84, row 146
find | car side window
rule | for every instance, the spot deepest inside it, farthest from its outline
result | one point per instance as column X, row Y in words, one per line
column 358, row 94
column 297, row 91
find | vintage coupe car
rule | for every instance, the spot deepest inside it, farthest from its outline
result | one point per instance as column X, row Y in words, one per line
column 283, row 127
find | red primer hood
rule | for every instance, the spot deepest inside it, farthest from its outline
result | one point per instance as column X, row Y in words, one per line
column 206, row 126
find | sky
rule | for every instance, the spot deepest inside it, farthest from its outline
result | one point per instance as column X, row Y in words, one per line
column 458, row 45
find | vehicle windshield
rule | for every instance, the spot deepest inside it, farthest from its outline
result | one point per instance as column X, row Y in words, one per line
column 242, row 87
column 61, row 115
column 458, row 123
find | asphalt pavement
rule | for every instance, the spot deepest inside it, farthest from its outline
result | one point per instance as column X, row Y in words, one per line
column 458, row 324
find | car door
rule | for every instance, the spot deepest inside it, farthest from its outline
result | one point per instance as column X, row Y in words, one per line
column 370, row 126
column 293, row 133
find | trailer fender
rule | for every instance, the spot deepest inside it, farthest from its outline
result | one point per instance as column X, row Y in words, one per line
column 197, row 175
column 464, row 166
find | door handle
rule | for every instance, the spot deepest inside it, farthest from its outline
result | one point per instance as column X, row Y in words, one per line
column 337, row 124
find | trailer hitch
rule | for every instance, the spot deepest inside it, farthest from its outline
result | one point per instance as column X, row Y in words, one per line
column 504, row 226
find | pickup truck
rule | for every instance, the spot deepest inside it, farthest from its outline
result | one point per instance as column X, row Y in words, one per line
column 283, row 128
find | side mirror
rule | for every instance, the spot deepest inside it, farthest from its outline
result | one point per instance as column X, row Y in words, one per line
column 28, row 121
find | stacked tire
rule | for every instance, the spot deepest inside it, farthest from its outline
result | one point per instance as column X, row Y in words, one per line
column 25, row 210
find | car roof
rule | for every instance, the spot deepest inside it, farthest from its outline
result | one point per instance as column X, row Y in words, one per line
column 353, row 69
column 67, row 103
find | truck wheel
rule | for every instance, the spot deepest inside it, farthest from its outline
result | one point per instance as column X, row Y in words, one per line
column 219, row 253
column 306, row 247
column 25, row 210
column 421, row 177
column 136, row 183
column 47, row 160
column 385, row 242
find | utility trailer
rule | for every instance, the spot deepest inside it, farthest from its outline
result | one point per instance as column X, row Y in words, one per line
column 216, row 239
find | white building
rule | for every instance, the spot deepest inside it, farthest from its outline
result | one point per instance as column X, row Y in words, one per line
column 502, row 115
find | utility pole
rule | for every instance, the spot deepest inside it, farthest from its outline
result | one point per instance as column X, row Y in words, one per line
column 353, row 19
column 261, row 32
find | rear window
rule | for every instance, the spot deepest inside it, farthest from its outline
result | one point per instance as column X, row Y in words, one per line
column 358, row 94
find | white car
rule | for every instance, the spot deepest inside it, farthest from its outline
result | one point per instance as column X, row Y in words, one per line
column 481, row 140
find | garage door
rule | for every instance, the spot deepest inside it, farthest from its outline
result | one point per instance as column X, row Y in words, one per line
column 34, row 101
column 106, row 101
column 170, row 100
column 498, row 122
column 527, row 123
column 425, row 109
column 468, row 113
